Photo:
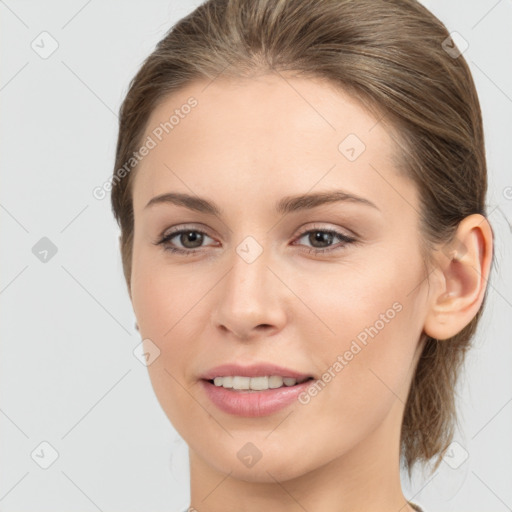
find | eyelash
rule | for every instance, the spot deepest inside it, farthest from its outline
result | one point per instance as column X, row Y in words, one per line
column 189, row 252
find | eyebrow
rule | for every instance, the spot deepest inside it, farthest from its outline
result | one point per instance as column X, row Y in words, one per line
column 285, row 205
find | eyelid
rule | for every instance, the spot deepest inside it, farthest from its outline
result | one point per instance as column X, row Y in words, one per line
column 323, row 227
column 184, row 227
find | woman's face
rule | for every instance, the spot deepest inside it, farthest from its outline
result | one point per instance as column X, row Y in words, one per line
column 248, row 287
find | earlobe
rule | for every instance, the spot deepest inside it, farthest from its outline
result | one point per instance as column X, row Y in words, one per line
column 464, row 266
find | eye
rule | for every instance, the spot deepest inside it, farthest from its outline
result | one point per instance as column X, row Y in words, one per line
column 322, row 240
column 190, row 240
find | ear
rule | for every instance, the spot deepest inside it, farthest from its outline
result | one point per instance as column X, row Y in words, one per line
column 463, row 268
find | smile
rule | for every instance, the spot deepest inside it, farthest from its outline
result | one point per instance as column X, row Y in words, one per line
column 253, row 402
column 240, row 383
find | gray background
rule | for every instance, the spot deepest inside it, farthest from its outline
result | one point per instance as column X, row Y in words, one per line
column 68, row 373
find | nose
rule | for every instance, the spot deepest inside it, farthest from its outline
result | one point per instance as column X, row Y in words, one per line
column 250, row 299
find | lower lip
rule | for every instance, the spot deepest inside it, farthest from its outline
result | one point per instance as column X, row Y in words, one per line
column 253, row 403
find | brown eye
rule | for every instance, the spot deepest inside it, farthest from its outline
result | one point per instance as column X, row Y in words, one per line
column 191, row 239
column 322, row 240
column 183, row 241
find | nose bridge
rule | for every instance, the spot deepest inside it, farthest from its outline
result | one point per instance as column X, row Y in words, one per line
column 248, row 280
column 249, row 295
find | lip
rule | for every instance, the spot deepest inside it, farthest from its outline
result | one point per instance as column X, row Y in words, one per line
column 253, row 403
column 254, row 370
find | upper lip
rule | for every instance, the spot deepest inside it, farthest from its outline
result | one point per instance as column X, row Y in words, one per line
column 254, row 370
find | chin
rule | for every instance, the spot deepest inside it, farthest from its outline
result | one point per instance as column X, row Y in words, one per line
column 253, row 458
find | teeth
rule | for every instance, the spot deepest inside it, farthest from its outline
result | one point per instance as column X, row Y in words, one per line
column 258, row 383
column 241, row 382
column 275, row 381
column 255, row 383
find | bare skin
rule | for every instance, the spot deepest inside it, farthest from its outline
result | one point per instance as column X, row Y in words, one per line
column 245, row 146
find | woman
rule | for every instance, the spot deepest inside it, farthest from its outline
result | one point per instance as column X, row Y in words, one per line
column 300, row 187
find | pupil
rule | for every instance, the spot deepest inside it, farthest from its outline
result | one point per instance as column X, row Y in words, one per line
column 191, row 236
column 320, row 236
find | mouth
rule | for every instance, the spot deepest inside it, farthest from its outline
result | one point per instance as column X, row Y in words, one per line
column 240, row 383
column 236, row 396
column 259, row 389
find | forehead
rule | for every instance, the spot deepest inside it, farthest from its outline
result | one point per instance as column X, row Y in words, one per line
column 274, row 109
column 268, row 132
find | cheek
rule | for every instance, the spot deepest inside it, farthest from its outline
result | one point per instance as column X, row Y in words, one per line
column 169, row 303
column 355, row 301
column 163, row 300
column 369, row 324
column 160, row 293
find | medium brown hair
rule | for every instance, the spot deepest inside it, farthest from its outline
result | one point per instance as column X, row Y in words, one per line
column 391, row 56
